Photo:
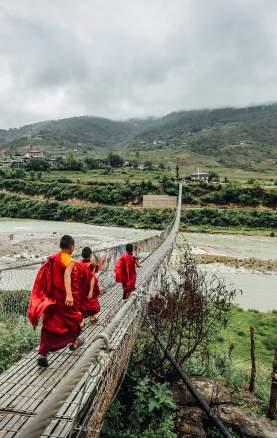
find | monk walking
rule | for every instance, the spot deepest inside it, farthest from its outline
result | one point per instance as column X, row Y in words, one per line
column 125, row 271
column 55, row 295
column 89, row 288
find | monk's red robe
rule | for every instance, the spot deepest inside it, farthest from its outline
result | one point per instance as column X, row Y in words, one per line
column 128, row 274
column 88, row 306
column 61, row 323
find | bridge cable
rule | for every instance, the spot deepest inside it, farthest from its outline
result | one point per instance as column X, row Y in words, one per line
column 43, row 418
column 192, row 389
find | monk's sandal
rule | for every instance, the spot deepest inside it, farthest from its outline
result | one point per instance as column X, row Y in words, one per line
column 80, row 342
column 42, row 361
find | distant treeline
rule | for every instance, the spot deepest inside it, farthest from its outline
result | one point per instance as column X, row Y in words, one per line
column 25, row 207
column 105, row 193
column 215, row 217
column 118, row 193
column 63, row 189
column 230, row 194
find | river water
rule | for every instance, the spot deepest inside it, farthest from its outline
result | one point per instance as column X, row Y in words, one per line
column 27, row 239
column 259, row 289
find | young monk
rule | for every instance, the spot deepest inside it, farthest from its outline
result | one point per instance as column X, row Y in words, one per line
column 125, row 271
column 90, row 291
column 55, row 295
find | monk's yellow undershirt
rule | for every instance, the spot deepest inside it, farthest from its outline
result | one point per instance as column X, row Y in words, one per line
column 66, row 259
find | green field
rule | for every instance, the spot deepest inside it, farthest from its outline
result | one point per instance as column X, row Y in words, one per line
column 265, row 178
column 112, row 175
column 237, row 333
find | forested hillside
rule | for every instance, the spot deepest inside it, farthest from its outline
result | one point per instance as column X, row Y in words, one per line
column 233, row 137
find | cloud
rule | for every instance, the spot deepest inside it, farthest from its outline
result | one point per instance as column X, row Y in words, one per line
column 124, row 58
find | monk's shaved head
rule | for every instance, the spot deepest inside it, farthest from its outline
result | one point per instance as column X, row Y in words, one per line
column 86, row 252
column 66, row 242
column 129, row 247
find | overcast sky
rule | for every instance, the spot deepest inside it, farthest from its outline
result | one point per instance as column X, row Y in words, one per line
column 133, row 58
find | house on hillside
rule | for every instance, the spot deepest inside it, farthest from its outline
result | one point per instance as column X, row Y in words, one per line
column 199, row 176
column 33, row 154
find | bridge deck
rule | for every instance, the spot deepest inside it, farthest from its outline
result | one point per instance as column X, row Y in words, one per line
column 24, row 387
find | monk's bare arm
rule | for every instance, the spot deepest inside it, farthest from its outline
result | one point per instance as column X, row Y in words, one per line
column 138, row 264
column 67, row 284
column 92, row 282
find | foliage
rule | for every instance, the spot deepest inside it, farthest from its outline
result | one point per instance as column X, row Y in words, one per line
column 143, row 409
column 27, row 207
column 69, row 162
column 233, row 137
column 37, row 164
column 105, row 193
column 188, row 311
column 230, row 218
column 148, row 165
column 16, row 338
column 114, row 160
column 236, row 333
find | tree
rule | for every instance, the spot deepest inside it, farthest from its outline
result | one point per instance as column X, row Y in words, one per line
column 92, row 163
column 18, row 173
column 177, row 172
column 213, row 176
column 32, row 175
column 37, row 164
column 188, row 312
column 71, row 162
column 114, row 160
column 148, row 165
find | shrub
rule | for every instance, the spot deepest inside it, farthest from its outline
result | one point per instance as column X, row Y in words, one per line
column 16, row 339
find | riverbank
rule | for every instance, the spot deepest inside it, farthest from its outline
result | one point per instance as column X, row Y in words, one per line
column 29, row 239
column 242, row 231
column 27, row 207
column 249, row 263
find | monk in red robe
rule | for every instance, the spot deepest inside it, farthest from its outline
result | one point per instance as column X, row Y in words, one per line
column 55, row 295
column 126, row 272
column 89, row 287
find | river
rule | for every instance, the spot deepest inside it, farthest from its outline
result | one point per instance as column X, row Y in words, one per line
column 27, row 239
column 259, row 289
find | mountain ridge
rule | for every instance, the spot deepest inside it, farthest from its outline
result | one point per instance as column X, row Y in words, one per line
column 237, row 135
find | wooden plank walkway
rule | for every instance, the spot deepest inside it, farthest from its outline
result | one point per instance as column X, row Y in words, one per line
column 24, row 386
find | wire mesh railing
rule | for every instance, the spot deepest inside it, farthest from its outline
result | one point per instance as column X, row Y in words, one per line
column 16, row 280
column 99, row 385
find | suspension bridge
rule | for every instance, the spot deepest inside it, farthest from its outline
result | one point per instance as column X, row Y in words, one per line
column 70, row 397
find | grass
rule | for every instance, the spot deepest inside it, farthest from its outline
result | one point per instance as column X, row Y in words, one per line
column 17, row 338
column 237, row 333
column 101, row 175
column 135, row 175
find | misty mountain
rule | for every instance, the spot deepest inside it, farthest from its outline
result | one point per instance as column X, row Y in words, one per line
column 228, row 134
